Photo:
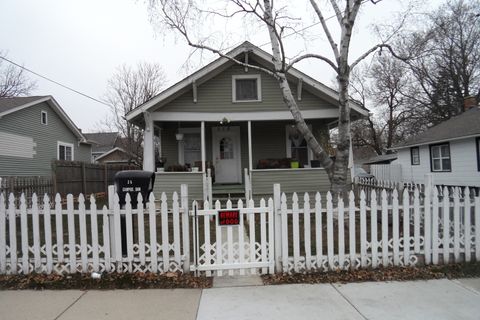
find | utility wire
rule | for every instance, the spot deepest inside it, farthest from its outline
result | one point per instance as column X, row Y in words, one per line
column 55, row 82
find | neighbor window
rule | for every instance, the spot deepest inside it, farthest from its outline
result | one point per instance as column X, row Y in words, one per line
column 246, row 88
column 440, row 157
column 43, row 117
column 415, row 156
column 65, row 151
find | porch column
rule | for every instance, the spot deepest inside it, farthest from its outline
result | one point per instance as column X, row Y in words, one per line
column 148, row 145
column 202, row 138
column 250, row 165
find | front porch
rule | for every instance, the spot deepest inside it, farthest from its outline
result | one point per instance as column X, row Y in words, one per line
column 234, row 159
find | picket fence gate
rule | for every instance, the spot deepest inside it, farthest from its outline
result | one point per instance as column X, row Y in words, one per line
column 283, row 234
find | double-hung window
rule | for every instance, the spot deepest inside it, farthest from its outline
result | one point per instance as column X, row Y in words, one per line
column 64, row 151
column 440, row 160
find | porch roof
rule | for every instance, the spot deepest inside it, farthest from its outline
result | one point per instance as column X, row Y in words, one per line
column 219, row 65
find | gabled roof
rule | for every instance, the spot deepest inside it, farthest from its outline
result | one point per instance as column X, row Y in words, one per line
column 14, row 104
column 466, row 124
column 110, row 152
column 381, row 158
column 102, row 141
column 219, row 64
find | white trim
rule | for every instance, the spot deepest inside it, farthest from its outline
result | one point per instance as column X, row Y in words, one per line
column 289, row 146
column 43, row 112
column 242, row 116
column 435, row 142
column 110, row 152
column 219, row 62
column 257, row 77
column 65, row 144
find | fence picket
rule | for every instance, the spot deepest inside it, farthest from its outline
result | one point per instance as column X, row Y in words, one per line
column 384, row 228
column 36, row 234
column 427, row 225
column 3, row 240
column 83, row 232
column 71, row 234
column 363, row 229
column 296, row 237
column 153, row 233
column 477, row 228
column 307, row 232
column 251, row 222
column 456, row 225
column 106, row 239
column 94, row 233
column 416, row 221
column 330, row 239
column 271, row 242
column 176, row 229
column 352, row 233
column 341, row 233
column 207, row 244
column 263, row 235
column 165, row 236
column 318, row 230
column 117, row 233
column 59, row 228
column 373, row 224
column 48, row 233
column 12, row 231
column 185, row 227
column 446, row 226
column 406, row 227
column 141, row 229
column 241, row 234
column 395, row 227
column 283, row 208
column 468, row 240
column 230, row 257
column 129, row 229
column 219, row 245
column 435, row 208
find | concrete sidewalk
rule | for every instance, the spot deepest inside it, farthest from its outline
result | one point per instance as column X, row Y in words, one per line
column 434, row 299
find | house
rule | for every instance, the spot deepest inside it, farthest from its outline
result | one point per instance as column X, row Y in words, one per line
column 232, row 119
column 109, row 148
column 450, row 151
column 33, row 132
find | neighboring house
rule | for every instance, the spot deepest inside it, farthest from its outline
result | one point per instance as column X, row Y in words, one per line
column 450, row 151
column 233, row 119
column 108, row 147
column 33, row 132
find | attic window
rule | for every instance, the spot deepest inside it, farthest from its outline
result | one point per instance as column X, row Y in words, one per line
column 43, row 118
column 246, row 88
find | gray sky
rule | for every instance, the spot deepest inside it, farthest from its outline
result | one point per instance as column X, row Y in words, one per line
column 80, row 43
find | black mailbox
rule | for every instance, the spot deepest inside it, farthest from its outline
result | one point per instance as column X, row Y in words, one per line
column 133, row 182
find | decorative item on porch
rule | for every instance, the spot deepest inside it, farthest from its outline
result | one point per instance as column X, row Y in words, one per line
column 224, row 121
column 294, row 164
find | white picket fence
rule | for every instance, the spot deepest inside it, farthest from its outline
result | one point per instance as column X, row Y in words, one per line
column 386, row 231
column 391, row 172
column 90, row 240
column 297, row 234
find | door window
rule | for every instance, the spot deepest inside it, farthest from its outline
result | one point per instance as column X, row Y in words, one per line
column 226, row 148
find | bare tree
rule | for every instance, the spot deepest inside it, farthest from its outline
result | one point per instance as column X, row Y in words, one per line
column 128, row 88
column 13, row 81
column 184, row 15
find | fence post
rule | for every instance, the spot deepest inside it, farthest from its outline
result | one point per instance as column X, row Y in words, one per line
column 111, row 223
column 278, row 227
column 105, row 177
column 84, row 180
column 185, row 226
column 428, row 218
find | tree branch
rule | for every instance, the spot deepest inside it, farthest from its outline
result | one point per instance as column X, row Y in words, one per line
column 326, row 30
column 315, row 56
column 373, row 49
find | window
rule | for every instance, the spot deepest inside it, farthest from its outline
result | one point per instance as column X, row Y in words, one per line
column 246, row 88
column 65, row 151
column 478, row 153
column 226, row 148
column 440, row 157
column 415, row 156
column 43, row 117
column 297, row 147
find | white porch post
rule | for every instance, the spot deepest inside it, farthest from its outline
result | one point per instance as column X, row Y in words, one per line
column 202, row 138
column 148, row 145
column 250, row 165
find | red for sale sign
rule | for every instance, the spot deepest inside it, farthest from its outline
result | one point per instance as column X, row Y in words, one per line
column 228, row 217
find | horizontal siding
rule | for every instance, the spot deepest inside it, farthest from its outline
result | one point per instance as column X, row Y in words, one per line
column 464, row 165
column 291, row 180
column 169, row 182
column 215, row 95
column 27, row 123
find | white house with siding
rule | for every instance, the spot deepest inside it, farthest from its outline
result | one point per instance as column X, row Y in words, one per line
column 33, row 132
column 450, row 151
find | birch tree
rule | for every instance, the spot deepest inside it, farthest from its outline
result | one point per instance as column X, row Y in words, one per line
column 183, row 15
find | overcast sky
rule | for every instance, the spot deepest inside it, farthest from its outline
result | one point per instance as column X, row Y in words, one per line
column 81, row 42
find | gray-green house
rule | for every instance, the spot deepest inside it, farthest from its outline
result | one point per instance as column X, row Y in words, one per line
column 233, row 120
column 33, row 132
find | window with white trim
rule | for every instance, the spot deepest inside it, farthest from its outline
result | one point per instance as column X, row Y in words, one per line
column 64, row 151
column 246, row 88
column 440, row 157
column 43, row 117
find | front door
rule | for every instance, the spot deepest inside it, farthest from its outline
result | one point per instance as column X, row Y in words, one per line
column 226, row 154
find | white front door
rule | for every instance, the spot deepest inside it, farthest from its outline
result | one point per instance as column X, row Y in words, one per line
column 226, row 154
